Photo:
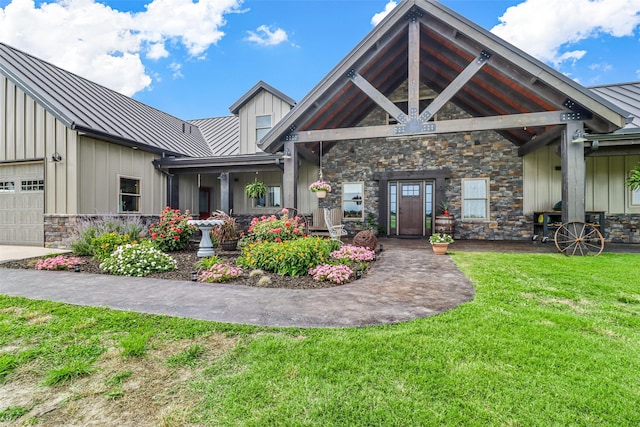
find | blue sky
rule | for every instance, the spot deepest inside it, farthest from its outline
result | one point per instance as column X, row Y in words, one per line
column 193, row 59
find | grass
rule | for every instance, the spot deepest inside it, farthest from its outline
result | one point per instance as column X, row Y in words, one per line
column 548, row 340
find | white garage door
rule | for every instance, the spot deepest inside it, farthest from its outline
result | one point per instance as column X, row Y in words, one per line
column 22, row 204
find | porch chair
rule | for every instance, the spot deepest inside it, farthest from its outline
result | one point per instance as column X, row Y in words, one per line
column 332, row 219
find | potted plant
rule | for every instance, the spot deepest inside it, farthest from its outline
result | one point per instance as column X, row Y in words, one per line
column 633, row 181
column 445, row 208
column 321, row 188
column 227, row 233
column 255, row 189
column 440, row 243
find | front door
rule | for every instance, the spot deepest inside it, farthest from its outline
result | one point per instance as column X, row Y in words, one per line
column 410, row 209
column 204, row 202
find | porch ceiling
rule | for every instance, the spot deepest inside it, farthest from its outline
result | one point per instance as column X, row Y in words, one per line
column 511, row 82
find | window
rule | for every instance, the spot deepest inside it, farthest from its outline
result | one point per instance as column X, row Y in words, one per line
column 32, row 185
column 475, row 200
column 635, row 197
column 129, row 194
column 263, row 125
column 393, row 206
column 352, row 200
column 411, row 190
column 272, row 199
column 7, row 186
column 428, row 205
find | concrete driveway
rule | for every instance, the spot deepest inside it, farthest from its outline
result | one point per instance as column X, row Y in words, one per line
column 11, row 253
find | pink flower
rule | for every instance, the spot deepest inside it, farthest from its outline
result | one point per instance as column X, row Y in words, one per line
column 285, row 211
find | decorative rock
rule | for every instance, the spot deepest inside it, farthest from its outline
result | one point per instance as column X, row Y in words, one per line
column 366, row 239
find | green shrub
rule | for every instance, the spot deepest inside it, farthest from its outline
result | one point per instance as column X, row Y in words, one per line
column 172, row 232
column 138, row 260
column 291, row 257
column 89, row 230
column 105, row 244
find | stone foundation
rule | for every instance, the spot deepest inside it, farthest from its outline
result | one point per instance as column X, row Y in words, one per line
column 61, row 230
column 622, row 228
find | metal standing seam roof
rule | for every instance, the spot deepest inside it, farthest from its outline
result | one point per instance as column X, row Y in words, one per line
column 98, row 111
column 624, row 95
column 221, row 133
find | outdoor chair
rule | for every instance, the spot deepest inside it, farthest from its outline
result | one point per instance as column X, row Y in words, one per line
column 332, row 219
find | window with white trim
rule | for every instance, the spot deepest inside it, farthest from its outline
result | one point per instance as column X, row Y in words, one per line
column 128, row 194
column 352, row 200
column 271, row 199
column 263, row 125
column 475, row 198
column 635, row 197
column 7, row 186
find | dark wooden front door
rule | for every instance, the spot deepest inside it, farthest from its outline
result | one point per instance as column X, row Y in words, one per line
column 410, row 204
column 204, row 202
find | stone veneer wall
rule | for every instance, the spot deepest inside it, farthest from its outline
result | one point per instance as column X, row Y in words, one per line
column 485, row 156
column 622, row 228
column 61, row 230
column 478, row 155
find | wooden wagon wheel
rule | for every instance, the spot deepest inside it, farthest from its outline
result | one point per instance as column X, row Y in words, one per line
column 579, row 238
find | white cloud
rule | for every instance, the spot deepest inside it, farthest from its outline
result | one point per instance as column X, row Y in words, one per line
column 176, row 70
column 375, row 20
column 106, row 45
column 267, row 36
column 601, row 67
column 547, row 29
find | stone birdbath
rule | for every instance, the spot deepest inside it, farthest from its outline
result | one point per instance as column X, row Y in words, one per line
column 205, row 225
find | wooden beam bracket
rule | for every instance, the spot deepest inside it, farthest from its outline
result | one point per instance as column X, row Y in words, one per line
column 575, row 116
column 414, row 126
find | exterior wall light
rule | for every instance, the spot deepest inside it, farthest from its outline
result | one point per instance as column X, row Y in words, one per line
column 287, row 154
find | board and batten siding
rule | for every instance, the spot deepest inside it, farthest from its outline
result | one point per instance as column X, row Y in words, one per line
column 262, row 104
column 100, row 166
column 29, row 132
column 307, row 201
column 188, row 192
column 605, row 177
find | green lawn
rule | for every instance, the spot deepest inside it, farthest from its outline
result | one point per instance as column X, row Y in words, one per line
column 548, row 340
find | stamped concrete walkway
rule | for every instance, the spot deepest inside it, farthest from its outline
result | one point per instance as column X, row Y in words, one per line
column 403, row 284
column 406, row 282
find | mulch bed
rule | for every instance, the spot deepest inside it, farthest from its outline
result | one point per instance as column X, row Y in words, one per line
column 187, row 260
